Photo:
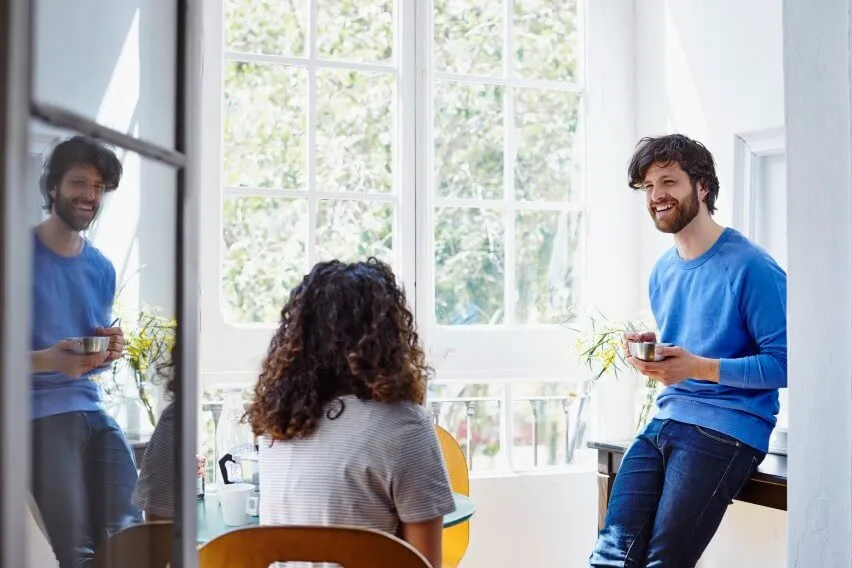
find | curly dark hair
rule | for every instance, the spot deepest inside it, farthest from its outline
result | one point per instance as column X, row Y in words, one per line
column 78, row 151
column 346, row 329
column 692, row 157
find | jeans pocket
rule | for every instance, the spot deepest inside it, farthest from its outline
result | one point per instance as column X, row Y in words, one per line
column 717, row 436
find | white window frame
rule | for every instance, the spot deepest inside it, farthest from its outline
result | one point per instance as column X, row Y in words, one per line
column 489, row 352
column 232, row 353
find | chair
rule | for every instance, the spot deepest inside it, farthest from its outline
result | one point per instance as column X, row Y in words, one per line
column 146, row 545
column 350, row 547
column 455, row 539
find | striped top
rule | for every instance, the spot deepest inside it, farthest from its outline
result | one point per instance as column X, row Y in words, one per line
column 155, row 490
column 375, row 465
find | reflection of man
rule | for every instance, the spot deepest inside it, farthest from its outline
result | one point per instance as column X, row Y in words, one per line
column 721, row 301
column 83, row 470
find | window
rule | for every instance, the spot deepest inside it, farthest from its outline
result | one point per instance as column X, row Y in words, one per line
column 446, row 137
column 502, row 186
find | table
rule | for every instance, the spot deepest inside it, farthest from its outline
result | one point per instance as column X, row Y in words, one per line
column 211, row 525
column 767, row 487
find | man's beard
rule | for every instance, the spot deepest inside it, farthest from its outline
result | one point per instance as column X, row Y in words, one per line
column 684, row 212
column 75, row 219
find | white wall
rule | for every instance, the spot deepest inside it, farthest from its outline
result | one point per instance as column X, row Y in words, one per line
column 817, row 63
column 711, row 70
column 113, row 61
column 533, row 521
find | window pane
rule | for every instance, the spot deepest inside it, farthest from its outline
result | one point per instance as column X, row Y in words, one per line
column 103, row 365
column 275, row 27
column 354, row 230
column 541, row 413
column 547, row 266
column 547, row 166
column 546, row 38
column 469, row 261
column 469, row 36
column 355, row 30
column 264, row 125
column 355, row 131
column 264, row 255
column 468, row 140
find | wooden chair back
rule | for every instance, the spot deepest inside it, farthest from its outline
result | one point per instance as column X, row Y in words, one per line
column 350, row 547
column 146, row 545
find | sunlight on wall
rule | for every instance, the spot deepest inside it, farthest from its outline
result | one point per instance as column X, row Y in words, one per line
column 118, row 106
column 685, row 111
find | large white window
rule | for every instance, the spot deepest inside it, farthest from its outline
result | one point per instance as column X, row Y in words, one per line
column 443, row 136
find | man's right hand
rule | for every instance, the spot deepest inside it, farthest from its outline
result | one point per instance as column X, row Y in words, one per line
column 645, row 336
column 64, row 360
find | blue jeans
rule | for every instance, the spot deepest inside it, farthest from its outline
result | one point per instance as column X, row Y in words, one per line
column 671, row 492
column 83, row 478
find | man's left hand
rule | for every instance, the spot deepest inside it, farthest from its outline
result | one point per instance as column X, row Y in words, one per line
column 678, row 365
column 116, row 342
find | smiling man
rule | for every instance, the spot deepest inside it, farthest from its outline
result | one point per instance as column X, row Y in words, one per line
column 721, row 300
column 83, row 470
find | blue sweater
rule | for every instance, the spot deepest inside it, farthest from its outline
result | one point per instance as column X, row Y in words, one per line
column 729, row 304
column 71, row 297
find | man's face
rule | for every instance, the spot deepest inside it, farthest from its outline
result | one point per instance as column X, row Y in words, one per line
column 78, row 197
column 671, row 196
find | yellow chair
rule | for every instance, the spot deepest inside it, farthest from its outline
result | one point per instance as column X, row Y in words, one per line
column 350, row 547
column 454, row 539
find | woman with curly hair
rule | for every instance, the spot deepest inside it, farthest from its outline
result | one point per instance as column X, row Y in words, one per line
column 338, row 407
column 155, row 490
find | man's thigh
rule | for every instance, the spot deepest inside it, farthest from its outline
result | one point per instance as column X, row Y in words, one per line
column 632, row 505
column 59, row 485
column 111, row 477
column 704, row 472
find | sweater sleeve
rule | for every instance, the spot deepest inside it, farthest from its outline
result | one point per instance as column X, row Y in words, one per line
column 761, row 290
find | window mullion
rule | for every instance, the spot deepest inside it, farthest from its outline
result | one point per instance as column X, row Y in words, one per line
column 312, row 134
column 509, row 148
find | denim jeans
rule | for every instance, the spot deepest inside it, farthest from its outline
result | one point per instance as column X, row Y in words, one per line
column 83, row 477
column 670, row 494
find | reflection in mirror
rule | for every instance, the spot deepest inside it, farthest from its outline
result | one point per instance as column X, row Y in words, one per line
column 103, row 329
column 119, row 70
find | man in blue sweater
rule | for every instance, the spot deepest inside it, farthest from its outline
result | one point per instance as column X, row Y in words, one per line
column 83, row 469
column 721, row 300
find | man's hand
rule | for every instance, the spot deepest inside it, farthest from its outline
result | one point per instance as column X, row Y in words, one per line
column 116, row 342
column 636, row 338
column 63, row 360
column 678, row 365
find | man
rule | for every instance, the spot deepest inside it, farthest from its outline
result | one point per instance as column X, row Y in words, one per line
column 83, row 468
column 721, row 301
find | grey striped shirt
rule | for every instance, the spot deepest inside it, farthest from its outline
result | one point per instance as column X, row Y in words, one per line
column 376, row 465
column 155, row 490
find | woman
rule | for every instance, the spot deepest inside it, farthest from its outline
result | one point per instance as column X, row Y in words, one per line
column 345, row 438
column 155, row 491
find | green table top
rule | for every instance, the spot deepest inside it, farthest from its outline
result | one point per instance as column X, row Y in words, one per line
column 211, row 525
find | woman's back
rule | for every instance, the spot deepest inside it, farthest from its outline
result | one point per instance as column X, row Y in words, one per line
column 368, row 463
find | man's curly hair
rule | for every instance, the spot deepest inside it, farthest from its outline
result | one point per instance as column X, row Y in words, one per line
column 346, row 329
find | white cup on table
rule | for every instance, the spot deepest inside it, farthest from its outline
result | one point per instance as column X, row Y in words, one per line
column 234, row 500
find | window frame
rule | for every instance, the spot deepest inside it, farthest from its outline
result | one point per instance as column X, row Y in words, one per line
column 506, row 351
column 17, row 107
column 232, row 353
